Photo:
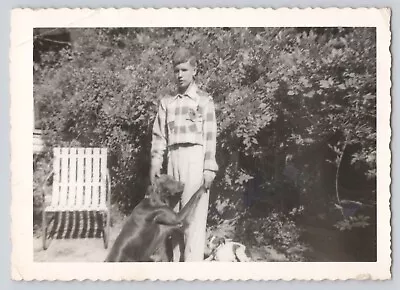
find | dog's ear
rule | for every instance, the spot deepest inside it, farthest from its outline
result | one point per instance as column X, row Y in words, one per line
column 152, row 190
column 171, row 185
column 153, row 194
column 149, row 190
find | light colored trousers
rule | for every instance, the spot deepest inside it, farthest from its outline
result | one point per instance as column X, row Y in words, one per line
column 185, row 164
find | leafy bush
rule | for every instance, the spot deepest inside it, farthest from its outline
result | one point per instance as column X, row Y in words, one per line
column 40, row 189
column 274, row 233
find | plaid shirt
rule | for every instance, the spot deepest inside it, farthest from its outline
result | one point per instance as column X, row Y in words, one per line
column 186, row 119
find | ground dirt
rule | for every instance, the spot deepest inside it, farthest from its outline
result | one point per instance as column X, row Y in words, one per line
column 326, row 245
column 92, row 249
column 74, row 250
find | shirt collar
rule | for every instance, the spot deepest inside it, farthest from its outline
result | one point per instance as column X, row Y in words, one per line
column 191, row 92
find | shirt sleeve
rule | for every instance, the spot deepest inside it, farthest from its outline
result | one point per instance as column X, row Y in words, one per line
column 159, row 138
column 210, row 138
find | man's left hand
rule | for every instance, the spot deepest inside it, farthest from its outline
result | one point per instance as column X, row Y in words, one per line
column 208, row 178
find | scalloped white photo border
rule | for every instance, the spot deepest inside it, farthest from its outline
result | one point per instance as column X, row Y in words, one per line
column 23, row 21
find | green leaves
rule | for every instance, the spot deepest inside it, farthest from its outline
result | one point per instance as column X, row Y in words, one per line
column 243, row 177
column 359, row 221
column 326, row 84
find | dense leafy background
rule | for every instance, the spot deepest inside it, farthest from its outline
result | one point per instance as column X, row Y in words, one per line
column 296, row 110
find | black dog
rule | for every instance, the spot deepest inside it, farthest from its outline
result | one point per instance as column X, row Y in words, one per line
column 152, row 221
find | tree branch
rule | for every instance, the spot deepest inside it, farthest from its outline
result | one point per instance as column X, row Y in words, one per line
column 337, row 172
column 55, row 41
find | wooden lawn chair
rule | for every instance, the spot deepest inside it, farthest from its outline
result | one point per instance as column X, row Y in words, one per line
column 81, row 182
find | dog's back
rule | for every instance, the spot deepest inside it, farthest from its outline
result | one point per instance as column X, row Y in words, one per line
column 121, row 249
column 140, row 229
column 147, row 229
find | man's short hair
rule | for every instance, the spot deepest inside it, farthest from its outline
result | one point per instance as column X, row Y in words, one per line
column 182, row 55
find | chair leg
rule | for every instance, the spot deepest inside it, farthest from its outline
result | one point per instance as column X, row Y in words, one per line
column 44, row 230
column 106, row 230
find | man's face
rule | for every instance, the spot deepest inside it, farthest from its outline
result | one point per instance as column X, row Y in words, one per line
column 184, row 75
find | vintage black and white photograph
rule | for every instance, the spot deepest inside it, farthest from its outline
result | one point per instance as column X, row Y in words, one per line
column 205, row 144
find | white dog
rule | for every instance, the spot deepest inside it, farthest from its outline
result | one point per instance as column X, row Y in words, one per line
column 228, row 251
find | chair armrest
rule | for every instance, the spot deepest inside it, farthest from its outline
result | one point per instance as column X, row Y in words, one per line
column 43, row 190
column 45, row 182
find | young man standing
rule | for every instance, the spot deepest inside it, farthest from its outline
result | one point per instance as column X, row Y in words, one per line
column 186, row 127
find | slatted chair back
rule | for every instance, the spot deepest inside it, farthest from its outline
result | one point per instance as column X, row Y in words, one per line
column 80, row 179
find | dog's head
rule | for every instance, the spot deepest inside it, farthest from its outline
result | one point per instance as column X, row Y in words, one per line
column 166, row 189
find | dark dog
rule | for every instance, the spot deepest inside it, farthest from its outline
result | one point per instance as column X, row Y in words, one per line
column 152, row 221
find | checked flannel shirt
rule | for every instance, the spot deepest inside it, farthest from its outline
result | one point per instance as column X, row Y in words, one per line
column 187, row 118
